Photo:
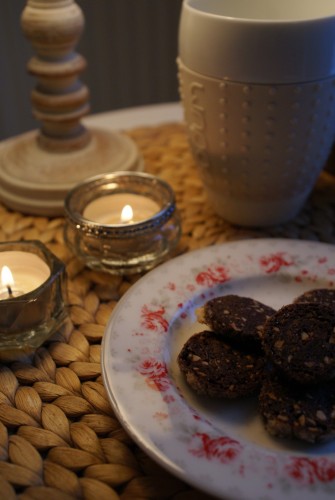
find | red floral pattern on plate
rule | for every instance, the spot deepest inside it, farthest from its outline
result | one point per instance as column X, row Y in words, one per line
column 154, row 319
column 212, row 276
column 274, row 262
column 309, row 470
column 155, row 373
column 223, row 448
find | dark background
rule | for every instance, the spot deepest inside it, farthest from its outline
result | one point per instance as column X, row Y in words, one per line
column 130, row 47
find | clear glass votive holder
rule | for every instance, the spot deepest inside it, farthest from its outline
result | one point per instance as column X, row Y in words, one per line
column 97, row 234
column 33, row 301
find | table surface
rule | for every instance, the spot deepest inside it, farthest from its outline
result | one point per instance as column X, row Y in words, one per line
column 59, row 437
column 151, row 115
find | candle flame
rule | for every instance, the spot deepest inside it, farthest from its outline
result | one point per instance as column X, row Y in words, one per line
column 7, row 279
column 126, row 214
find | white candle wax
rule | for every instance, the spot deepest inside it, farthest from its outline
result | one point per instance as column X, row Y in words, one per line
column 28, row 270
column 108, row 209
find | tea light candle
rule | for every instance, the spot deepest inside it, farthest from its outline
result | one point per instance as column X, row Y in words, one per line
column 123, row 222
column 32, row 297
column 21, row 273
column 121, row 208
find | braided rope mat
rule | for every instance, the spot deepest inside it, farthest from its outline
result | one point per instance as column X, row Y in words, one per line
column 59, row 438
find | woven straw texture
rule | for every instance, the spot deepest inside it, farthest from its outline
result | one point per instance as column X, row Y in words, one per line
column 59, row 438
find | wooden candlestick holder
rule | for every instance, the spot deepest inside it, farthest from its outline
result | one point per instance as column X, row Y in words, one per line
column 38, row 168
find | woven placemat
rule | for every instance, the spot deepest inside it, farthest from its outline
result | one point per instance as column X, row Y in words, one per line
column 59, row 438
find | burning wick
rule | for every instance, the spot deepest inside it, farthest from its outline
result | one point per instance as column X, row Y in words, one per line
column 127, row 214
column 7, row 279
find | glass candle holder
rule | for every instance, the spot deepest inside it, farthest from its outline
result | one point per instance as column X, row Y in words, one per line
column 32, row 296
column 122, row 223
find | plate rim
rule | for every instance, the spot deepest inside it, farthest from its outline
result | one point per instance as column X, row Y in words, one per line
column 141, row 440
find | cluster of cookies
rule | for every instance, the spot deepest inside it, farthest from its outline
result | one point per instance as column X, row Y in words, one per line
column 287, row 357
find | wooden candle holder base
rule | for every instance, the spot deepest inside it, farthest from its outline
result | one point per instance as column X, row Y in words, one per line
column 37, row 169
column 34, row 180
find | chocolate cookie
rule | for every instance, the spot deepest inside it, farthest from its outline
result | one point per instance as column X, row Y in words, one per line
column 325, row 296
column 214, row 368
column 290, row 410
column 300, row 340
column 239, row 319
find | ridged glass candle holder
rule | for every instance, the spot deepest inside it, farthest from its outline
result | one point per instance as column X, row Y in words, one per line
column 105, row 242
column 34, row 307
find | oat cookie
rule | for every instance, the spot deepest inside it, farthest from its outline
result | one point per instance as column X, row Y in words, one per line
column 214, row 368
column 239, row 319
column 290, row 410
column 300, row 340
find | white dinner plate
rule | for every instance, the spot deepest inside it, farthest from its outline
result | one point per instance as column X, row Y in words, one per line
column 220, row 447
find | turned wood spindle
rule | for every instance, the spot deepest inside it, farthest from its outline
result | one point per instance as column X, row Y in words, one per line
column 59, row 99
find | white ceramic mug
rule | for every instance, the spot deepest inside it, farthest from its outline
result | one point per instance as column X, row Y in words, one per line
column 257, row 81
